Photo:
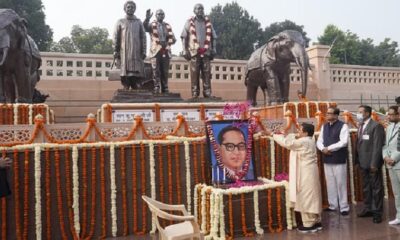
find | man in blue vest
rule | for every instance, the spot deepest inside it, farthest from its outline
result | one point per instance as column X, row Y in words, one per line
column 332, row 141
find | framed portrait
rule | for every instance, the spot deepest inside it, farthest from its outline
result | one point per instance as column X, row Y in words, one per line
column 231, row 151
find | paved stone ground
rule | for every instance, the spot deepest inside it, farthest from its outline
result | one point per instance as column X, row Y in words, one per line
column 336, row 227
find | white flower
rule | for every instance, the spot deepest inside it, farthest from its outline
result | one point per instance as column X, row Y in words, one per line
column 113, row 192
column 75, row 188
column 38, row 202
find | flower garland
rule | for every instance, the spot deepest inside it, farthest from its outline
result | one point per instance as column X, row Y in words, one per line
column 215, row 146
column 302, row 110
column 59, row 194
column 271, row 229
column 272, row 151
column 134, row 189
column 161, row 173
column 257, row 224
column 230, row 215
column 259, row 149
column 350, row 156
column 30, row 118
column 188, row 183
column 85, row 191
column 170, row 200
column 195, row 164
column 243, row 215
column 113, row 190
column 124, row 196
column 16, row 195
column 221, row 216
column 93, row 196
column 3, row 217
column 178, row 177
column 48, row 193
column 279, row 204
column 26, row 193
column 203, row 225
column 208, row 212
column 75, row 188
column 202, row 160
column 103, row 191
column 38, row 200
column 152, row 183
column 68, row 192
column 385, row 182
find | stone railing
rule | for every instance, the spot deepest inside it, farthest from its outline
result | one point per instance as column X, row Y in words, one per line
column 71, row 66
column 351, row 74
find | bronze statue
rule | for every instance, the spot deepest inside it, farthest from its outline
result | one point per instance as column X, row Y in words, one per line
column 199, row 47
column 162, row 38
column 19, row 60
column 130, row 48
column 269, row 67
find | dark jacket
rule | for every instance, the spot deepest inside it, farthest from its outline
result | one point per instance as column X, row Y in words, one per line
column 331, row 135
column 369, row 146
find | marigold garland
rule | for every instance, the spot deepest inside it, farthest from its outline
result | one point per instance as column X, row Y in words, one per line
column 84, row 191
column 178, row 177
column 59, row 193
column 161, row 171
column 208, row 214
column 93, row 197
column 302, row 110
column 103, row 192
column 202, row 161
column 16, row 195
column 4, row 218
column 195, row 164
column 143, row 181
column 69, row 193
column 134, row 190
column 124, row 196
column 26, row 193
column 169, row 174
column 243, row 215
column 230, row 216
column 279, row 206
column 48, row 193
column 260, row 147
column 267, row 158
column 269, row 209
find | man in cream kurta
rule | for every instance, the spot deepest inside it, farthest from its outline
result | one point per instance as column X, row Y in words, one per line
column 304, row 182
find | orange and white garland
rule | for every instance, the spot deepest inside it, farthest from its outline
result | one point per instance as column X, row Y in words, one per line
column 193, row 37
column 113, row 192
column 38, row 187
column 217, row 218
column 155, row 36
column 22, row 112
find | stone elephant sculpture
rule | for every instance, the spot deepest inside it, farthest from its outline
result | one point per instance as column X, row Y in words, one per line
column 15, row 63
column 269, row 67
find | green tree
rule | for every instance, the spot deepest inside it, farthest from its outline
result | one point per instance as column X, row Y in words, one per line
column 348, row 48
column 237, row 31
column 32, row 11
column 65, row 45
column 93, row 40
column 278, row 27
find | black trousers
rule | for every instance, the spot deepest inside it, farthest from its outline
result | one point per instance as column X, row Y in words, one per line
column 373, row 191
column 200, row 67
column 160, row 66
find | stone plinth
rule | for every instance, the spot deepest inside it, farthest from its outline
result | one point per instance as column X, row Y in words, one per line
column 144, row 96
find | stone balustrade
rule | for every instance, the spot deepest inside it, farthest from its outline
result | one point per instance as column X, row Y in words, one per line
column 352, row 74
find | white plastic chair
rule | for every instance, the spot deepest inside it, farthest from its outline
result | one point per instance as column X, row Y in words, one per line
column 186, row 229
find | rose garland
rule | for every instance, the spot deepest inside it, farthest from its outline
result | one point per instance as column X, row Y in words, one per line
column 215, row 146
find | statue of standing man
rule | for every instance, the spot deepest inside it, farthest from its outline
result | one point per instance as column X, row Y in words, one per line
column 162, row 38
column 199, row 47
column 129, row 44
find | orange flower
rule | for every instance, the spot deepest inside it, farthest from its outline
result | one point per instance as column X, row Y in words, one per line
column 195, row 166
column 48, row 193
column 243, row 215
column 203, row 160
column 103, row 193
column 143, row 181
column 3, row 217
column 59, row 194
column 123, row 186
column 84, row 191
column 177, row 167
column 279, row 211
column 230, row 216
column 16, row 195
column 69, row 193
column 269, row 209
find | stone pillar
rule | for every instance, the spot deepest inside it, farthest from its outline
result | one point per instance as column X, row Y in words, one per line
column 319, row 58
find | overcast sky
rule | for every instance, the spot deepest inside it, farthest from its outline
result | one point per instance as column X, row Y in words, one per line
column 376, row 19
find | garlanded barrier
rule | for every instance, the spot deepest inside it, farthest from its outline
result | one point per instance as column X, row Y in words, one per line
column 21, row 113
column 217, row 210
column 90, row 185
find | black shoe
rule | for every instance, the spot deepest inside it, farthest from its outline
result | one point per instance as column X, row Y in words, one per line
column 377, row 219
column 329, row 210
column 344, row 213
column 318, row 226
column 365, row 213
column 303, row 229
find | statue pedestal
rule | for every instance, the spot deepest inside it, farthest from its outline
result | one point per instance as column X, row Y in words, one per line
column 200, row 100
column 144, row 96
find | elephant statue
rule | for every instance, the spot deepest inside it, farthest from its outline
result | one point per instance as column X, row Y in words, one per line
column 15, row 62
column 269, row 68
